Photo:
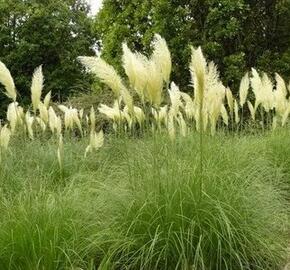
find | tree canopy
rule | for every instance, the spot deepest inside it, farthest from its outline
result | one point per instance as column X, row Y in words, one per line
column 51, row 33
column 236, row 35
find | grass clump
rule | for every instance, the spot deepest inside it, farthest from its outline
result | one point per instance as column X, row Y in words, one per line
column 158, row 220
column 136, row 205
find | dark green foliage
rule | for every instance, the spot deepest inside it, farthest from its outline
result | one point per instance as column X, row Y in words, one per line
column 48, row 32
column 236, row 35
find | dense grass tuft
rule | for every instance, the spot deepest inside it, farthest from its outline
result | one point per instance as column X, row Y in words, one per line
column 136, row 205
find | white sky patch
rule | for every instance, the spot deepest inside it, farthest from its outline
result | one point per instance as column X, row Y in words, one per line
column 95, row 6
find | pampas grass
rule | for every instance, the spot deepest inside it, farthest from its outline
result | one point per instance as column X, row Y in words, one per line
column 36, row 88
column 105, row 72
column 190, row 201
column 7, row 80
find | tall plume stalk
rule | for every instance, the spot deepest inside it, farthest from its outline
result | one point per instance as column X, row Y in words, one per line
column 198, row 69
column 36, row 88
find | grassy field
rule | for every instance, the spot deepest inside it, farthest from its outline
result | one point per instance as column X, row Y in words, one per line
column 135, row 204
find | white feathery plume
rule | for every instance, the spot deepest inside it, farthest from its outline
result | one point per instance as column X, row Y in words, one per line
column 96, row 141
column 29, row 122
column 280, row 100
column 236, row 109
column 47, row 99
column 268, row 95
column 129, row 64
column 257, row 87
column 198, row 73
column 52, row 120
column 112, row 113
column 189, row 105
column 127, row 116
column 160, row 115
column 212, row 77
column 252, row 110
column 14, row 115
column 139, row 114
column 71, row 117
column 43, row 112
column 7, row 80
column 154, row 84
column 92, row 118
column 175, row 98
column 58, row 126
column 244, row 89
column 63, row 108
column 105, row 72
column 127, row 98
column 75, row 118
column 214, row 103
column 198, row 69
column 230, row 100
column 5, row 135
column 36, row 87
column 135, row 65
column 162, row 57
column 41, row 124
column 60, row 152
column 224, row 115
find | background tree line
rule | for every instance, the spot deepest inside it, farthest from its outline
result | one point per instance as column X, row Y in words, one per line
column 236, row 35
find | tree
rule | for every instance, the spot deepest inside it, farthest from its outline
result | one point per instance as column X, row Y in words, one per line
column 236, row 35
column 48, row 32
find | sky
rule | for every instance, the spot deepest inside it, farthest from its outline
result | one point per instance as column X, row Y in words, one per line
column 95, row 6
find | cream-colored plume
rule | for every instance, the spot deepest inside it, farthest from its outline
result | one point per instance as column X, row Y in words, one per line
column 162, row 57
column 105, row 72
column 244, row 89
column 14, row 115
column 230, row 100
column 154, row 84
column 280, row 100
column 139, row 114
column 267, row 98
column 60, row 152
column 198, row 69
column 43, row 112
column 257, row 87
column 92, row 118
column 36, row 87
column 113, row 113
column 29, row 122
column 135, row 65
column 224, row 115
column 41, row 124
column 47, row 99
column 5, row 135
column 175, row 98
column 96, row 141
column 7, row 81
column 236, row 110
column 252, row 110
column 53, row 120
column 189, row 105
